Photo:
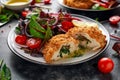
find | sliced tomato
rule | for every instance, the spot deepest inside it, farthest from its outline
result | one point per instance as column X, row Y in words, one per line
column 66, row 25
column 33, row 43
column 21, row 39
column 114, row 19
column 105, row 65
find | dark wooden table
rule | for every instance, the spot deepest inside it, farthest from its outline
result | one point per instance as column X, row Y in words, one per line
column 24, row 70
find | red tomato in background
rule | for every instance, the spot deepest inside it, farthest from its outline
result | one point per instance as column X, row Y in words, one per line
column 21, row 39
column 24, row 13
column 33, row 43
column 46, row 1
column 114, row 19
column 33, row 2
column 66, row 25
column 105, row 65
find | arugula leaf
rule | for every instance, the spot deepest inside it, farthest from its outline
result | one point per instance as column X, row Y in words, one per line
column 5, row 73
column 48, row 35
column 36, row 30
column 36, row 33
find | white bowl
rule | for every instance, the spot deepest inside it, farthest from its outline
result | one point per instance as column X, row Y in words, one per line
column 15, row 6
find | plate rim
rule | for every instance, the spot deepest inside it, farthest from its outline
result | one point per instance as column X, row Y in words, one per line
column 78, row 62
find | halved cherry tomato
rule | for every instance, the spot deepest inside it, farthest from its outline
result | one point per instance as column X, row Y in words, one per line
column 21, row 39
column 105, row 65
column 33, row 43
column 66, row 25
column 24, row 13
column 46, row 1
column 114, row 19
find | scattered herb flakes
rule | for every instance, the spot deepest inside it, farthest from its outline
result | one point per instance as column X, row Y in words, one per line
column 2, row 31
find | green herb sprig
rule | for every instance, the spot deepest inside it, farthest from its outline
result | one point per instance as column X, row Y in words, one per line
column 5, row 73
column 6, row 15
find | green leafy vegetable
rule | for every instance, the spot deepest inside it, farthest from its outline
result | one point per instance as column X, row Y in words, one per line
column 6, row 15
column 42, row 21
column 36, row 30
column 17, row 30
column 48, row 35
column 5, row 73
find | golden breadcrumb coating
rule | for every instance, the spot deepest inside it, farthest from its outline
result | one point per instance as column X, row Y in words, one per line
column 93, row 32
column 81, row 4
column 54, row 44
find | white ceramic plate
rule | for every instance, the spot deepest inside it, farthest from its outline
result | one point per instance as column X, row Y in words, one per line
column 1, row 24
column 40, row 60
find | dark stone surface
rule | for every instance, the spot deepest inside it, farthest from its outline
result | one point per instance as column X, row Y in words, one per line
column 24, row 70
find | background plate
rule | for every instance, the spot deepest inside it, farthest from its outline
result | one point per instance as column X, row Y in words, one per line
column 94, row 14
column 40, row 60
column 61, row 3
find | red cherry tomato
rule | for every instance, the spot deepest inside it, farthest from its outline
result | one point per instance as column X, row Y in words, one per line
column 66, row 25
column 104, row 5
column 24, row 13
column 105, row 65
column 46, row 1
column 21, row 39
column 114, row 19
column 33, row 2
column 33, row 43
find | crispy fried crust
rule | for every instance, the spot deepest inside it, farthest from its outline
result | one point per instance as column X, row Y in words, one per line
column 82, row 4
column 93, row 32
column 54, row 44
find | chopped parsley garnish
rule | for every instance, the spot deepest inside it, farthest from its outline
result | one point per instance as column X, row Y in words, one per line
column 64, row 50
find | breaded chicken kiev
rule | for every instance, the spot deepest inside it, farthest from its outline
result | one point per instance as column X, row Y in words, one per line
column 59, row 47
column 77, row 41
column 89, row 37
